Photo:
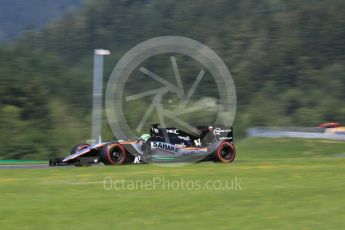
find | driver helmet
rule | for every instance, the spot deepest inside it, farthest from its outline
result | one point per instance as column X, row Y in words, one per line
column 145, row 137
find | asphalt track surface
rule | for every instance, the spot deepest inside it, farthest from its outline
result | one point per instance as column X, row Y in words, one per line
column 24, row 166
column 36, row 166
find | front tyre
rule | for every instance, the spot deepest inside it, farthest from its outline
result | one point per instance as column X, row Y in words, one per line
column 113, row 154
column 226, row 152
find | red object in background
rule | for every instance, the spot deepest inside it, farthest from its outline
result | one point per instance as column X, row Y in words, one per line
column 329, row 125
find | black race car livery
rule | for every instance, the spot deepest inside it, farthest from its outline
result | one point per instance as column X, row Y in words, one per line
column 213, row 142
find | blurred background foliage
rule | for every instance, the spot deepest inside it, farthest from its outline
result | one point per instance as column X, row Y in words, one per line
column 18, row 16
column 287, row 59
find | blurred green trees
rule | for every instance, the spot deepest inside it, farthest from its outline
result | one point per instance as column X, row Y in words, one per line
column 287, row 59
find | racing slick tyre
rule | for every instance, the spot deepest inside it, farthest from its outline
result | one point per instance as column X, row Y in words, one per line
column 113, row 154
column 79, row 147
column 225, row 152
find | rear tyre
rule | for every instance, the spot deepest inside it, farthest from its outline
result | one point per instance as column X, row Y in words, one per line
column 113, row 154
column 225, row 152
column 79, row 147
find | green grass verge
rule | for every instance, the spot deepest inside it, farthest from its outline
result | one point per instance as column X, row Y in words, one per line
column 287, row 148
column 301, row 191
column 21, row 162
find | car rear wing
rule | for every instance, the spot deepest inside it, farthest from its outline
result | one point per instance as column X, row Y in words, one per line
column 213, row 133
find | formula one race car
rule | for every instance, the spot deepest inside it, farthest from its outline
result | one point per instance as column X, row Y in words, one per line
column 213, row 142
